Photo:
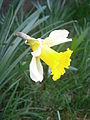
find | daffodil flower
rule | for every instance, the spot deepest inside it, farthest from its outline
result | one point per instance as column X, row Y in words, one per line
column 58, row 62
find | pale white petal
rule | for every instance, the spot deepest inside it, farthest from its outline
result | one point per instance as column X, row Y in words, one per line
column 57, row 37
column 38, row 51
column 36, row 69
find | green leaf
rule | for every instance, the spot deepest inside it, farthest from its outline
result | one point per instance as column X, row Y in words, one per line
column 1, row 1
column 78, row 40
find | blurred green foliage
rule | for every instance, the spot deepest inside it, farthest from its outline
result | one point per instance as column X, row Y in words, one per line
column 20, row 97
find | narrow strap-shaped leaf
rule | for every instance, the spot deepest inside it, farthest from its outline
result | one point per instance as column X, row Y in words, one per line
column 1, row 1
column 6, row 73
column 5, row 28
column 10, row 23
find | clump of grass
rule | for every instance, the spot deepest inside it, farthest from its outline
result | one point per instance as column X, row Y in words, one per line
column 67, row 98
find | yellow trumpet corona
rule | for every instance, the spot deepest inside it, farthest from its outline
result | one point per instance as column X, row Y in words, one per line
column 56, row 61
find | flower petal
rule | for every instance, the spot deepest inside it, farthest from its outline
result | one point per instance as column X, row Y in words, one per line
column 36, row 69
column 37, row 52
column 57, row 37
